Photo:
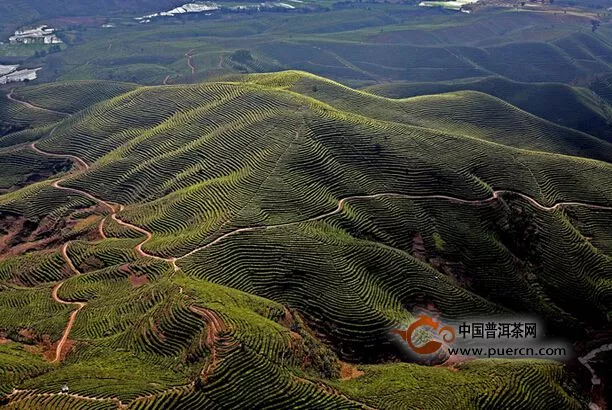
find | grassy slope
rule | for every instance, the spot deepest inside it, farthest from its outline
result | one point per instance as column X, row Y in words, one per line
column 467, row 113
column 70, row 96
column 567, row 106
column 194, row 162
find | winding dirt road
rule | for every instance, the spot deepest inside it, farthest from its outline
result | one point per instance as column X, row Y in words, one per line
column 496, row 195
column 189, row 56
column 101, row 229
column 80, row 164
column 83, row 166
column 148, row 237
column 80, row 305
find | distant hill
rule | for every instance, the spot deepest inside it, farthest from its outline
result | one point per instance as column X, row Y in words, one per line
column 356, row 44
column 572, row 107
column 15, row 13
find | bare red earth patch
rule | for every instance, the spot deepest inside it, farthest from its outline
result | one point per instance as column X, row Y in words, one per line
column 19, row 234
column 39, row 345
column 137, row 281
column 418, row 247
column 348, row 371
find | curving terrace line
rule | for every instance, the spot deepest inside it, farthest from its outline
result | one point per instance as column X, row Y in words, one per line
column 342, row 203
column 34, row 107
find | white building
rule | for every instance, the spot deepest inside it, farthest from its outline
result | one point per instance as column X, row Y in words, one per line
column 7, row 69
column 19, row 75
column 38, row 35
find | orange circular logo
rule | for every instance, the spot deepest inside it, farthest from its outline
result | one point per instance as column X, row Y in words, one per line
column 447, row 333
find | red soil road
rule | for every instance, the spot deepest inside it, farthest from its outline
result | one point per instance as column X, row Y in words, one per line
column 73, row 315
column 101, row 228
column 34, row 107
column 148, row 235
column 80, row 305
column 80, row 164
column 64, row 253
column 113, row 210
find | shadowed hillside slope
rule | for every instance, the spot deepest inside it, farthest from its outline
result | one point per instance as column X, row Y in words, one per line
column 466, row 113
column 571, row 107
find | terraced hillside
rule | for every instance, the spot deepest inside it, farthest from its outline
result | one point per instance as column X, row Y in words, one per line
column 578, row 108
column 252, row 243
column 465, row 112
column 71, row 96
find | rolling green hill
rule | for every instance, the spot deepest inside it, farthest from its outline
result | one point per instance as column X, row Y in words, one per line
column 469, row 113
column 254, row 240
column 72, row 96
column 571, row 107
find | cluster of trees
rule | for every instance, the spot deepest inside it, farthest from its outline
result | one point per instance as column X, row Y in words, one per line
column 8, row 128
column 55, row 48
column 519, row 231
